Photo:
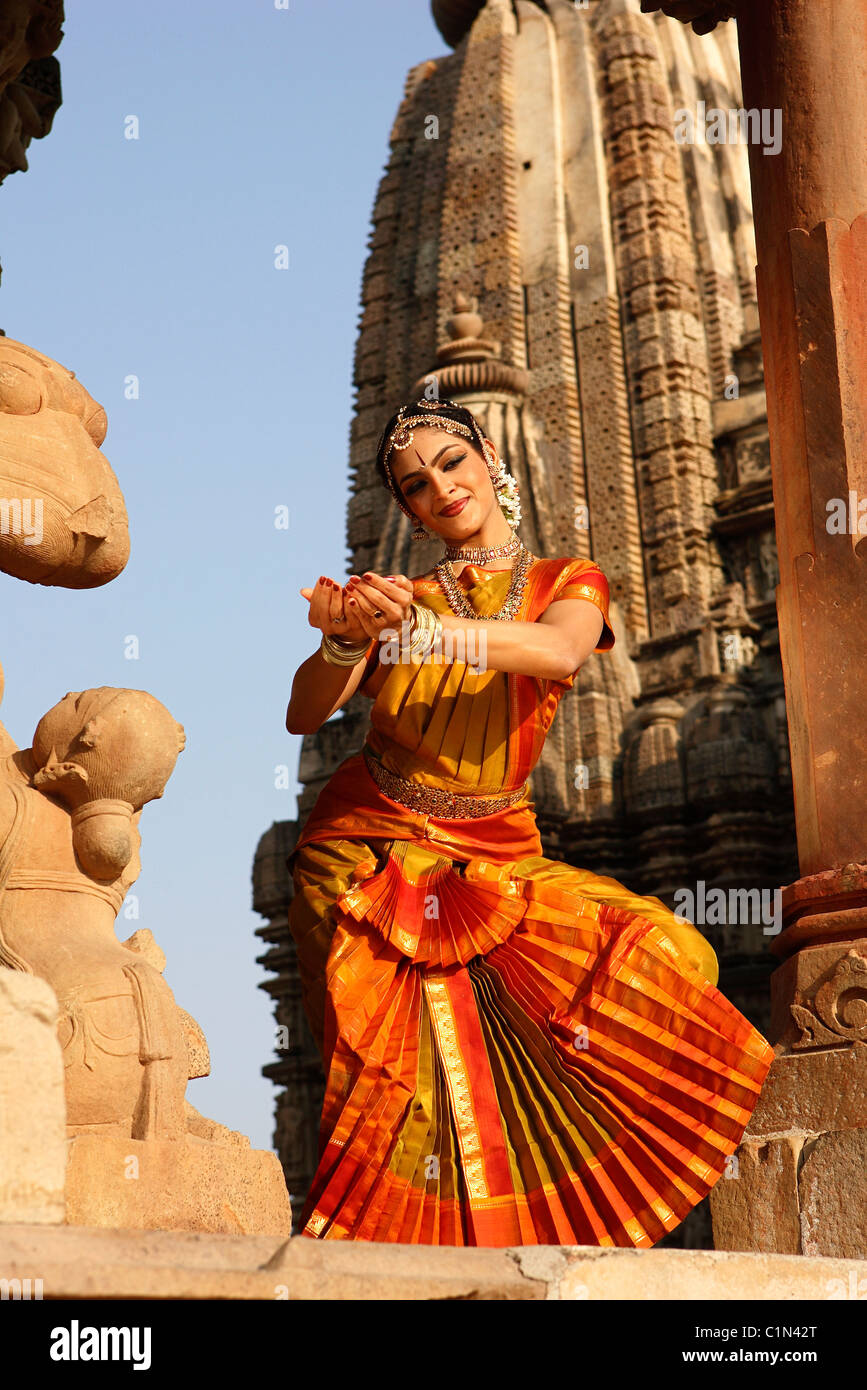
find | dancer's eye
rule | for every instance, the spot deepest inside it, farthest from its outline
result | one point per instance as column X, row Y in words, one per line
column 414, row 487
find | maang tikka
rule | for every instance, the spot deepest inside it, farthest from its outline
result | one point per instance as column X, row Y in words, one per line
column 401, row 438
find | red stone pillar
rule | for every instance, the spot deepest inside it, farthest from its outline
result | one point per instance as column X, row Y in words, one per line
column 803, row 1166
column 809, row 61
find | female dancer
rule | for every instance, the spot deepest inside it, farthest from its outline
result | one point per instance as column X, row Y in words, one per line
column 516, row 1051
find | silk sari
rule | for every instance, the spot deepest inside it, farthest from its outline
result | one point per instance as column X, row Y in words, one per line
column 517, row 1051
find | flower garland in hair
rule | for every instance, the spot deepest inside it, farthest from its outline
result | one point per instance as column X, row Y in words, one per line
column 508, row 496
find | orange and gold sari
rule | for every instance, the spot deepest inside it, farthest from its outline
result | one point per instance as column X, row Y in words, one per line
column 516, row 1051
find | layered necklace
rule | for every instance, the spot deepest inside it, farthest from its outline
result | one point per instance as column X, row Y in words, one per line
column 457, row 599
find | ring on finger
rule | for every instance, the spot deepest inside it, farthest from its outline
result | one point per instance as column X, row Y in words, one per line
column 377, row 612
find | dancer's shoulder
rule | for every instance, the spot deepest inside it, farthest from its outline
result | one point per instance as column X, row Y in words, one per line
column 578, row 577
column 571, row 568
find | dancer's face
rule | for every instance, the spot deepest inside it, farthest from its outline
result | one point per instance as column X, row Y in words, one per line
column 436, row 471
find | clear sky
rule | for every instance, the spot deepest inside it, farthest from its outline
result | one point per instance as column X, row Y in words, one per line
column 155, row 257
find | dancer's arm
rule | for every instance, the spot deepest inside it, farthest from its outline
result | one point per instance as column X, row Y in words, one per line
column 553, row 647
column 320, row 689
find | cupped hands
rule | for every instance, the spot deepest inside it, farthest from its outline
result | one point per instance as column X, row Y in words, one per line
column 349, row 610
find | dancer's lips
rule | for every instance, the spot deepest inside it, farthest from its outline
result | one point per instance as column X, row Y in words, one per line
column 455, row 507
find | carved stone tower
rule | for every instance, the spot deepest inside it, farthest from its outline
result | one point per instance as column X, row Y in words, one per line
column 545, row 250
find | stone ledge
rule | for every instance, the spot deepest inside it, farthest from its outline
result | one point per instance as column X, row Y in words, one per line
column 99, row 1263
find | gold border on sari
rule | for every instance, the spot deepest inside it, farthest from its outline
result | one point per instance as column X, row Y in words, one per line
column 457, row 1077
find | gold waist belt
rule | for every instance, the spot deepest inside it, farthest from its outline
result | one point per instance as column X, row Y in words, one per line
column 434, row 800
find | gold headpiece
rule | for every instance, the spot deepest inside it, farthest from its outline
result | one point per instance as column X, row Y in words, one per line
column 401, row 435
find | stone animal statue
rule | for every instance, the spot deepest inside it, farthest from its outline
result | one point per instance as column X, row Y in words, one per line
column 62, row 514
column 69, row 853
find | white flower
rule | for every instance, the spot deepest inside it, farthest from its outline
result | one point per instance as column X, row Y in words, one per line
column 509, row 498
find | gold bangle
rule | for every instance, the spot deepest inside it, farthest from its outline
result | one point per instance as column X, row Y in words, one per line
column 336, row 653
column 426, row 630
column 420, row 634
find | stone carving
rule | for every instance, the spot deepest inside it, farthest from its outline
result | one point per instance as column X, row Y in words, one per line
column 30, row 30
column 838, row 1010
column 62, row 514
column 27, row 110
column 703, row 15
column 470, row 363
column 69, row 853
column 32, row 1110
column 69, row 841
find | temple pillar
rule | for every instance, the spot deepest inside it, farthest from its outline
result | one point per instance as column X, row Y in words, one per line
column 810, row 206
column 802, row 1168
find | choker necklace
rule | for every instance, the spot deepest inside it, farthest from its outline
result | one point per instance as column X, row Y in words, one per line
column 480, row 553
column 461, row 606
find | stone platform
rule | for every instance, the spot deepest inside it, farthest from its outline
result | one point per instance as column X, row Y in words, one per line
column 99, row 1263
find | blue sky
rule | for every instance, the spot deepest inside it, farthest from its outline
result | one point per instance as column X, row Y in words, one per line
column 155, row 258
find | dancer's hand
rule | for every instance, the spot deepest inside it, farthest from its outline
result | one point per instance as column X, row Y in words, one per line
column 329, row 612
column 391, row 596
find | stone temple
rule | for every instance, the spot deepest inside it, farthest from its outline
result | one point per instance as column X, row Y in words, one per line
column 562, row 241
column 543, row 248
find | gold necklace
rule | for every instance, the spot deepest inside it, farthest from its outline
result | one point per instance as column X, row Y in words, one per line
column 461, row 606
column 477, row 555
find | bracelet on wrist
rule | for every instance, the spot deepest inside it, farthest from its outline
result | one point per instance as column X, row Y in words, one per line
column 425, row 632
column 343, row 651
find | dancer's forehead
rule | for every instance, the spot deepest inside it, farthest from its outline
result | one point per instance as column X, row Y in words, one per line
column 429, row 446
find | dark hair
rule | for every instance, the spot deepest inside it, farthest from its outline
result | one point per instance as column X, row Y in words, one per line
column 459, row 413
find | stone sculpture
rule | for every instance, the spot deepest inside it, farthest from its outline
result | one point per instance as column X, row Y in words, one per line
column 139, row 1155
column 69, row 840
column 62, row 514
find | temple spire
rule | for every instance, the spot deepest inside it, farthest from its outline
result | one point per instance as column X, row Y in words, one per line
column 454, row 18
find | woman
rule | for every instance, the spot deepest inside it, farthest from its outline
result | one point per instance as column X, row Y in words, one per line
column 516, row 1051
